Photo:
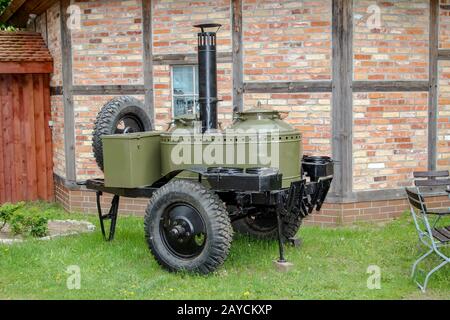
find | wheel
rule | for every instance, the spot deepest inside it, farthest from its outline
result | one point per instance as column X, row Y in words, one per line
column 264, row 225
column 120, row 115
column 187, row 227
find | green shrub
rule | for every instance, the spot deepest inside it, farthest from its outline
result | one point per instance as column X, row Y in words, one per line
column 4, row 27
column 29, row 221
column 23, row 219
column 7, row 211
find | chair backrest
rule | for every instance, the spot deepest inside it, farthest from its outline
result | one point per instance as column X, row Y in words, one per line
column 419, row 212
column 431, row 178
column 416, row 200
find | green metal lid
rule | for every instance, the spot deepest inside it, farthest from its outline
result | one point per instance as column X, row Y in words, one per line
column 262, row 120
column 258, row 113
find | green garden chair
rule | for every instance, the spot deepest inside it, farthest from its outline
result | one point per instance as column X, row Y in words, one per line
column 433, row 237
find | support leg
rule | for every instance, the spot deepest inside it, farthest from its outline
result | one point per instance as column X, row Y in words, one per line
column 418, row 260
column 112, row 215
column 280, row 238
column 430, row 273
column 281, row 264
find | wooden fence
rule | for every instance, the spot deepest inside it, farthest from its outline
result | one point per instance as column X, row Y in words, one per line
column 26, row 166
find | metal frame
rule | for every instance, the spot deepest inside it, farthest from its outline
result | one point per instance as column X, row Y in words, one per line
column 425, row 236
column 244, row 189
column 112, row 215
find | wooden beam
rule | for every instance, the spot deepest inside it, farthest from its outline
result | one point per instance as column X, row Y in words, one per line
column 26, row 67
column 443, row 54
column 43, row 6
column 389, row 86
column 238, row 60
column 287, row 87
column 433, row 88
column 87, row 90
column 261, row 87
column 67, row 80
column 147, row 57
column 188, row 58
column 21, row 16
column 109, row 89
column 342, row 102
column 10, row 10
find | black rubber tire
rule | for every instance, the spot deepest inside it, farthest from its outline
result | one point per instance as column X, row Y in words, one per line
column 108, row 118
column 213, row 211
column 248, row 226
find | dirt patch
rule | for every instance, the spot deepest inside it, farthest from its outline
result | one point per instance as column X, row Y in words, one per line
column 56, row 228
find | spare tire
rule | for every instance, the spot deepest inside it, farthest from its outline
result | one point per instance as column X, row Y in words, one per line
column 120, row 115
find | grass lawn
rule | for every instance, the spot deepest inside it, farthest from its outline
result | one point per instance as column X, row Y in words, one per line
column 331, row 264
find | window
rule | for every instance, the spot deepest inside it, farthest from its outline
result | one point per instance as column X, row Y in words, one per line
column 184, row 89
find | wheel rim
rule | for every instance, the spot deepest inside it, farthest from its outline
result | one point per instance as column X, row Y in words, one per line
column 129, row 124
column 183, row 230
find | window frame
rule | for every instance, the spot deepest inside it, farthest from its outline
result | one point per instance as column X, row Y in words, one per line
column 194, row 79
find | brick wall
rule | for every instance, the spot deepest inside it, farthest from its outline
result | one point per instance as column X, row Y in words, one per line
column 333, row 214
column 291, row 41
column 48, row 24
column 390, row 129
column 173, row 21
column 163, row 97
column 389, row 140
column 107, row 49
column 443, row 149
column 444, row 26
column 59, row 159
column 398, row 48
column 308, row 112
column 54, row 43
column 287, row 40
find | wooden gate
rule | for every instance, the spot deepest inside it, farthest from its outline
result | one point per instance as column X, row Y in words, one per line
column 26, row 165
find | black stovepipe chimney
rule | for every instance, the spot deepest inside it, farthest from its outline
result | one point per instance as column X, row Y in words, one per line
column 207, row 76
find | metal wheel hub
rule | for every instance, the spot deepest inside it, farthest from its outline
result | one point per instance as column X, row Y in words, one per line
column 129, row 124
column 183, row 230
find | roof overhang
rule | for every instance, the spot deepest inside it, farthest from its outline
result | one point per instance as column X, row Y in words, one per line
column 18, row 12
column 24, row 52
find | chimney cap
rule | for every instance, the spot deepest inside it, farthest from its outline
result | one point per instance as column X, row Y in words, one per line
column 203, row 26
